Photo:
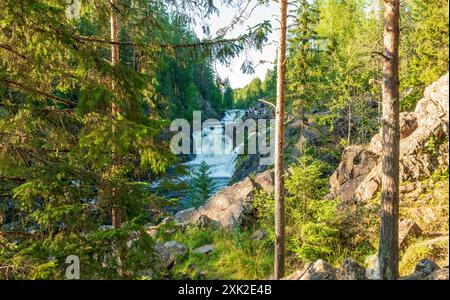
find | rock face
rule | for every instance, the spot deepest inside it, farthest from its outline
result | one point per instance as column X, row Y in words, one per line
column 357, row 162
column 422, row 149
column 230, row 207
column 205, row 222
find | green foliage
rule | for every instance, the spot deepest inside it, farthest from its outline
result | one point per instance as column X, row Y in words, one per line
column 312, row 223
column 419, row 250
column 315, row 227
column 305, row 57
column 424, row 48
column 249, row 95
column 228, row 97
column 201, row 185
column 236, row 256
column 80, row 137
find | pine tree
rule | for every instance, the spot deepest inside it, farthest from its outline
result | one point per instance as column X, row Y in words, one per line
column 228, row 96
column 388, row 249
column 280, row 213
column 201, row 184
column 303, row 75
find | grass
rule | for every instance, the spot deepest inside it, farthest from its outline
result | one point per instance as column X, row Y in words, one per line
column 438, row 252
column 236, row 256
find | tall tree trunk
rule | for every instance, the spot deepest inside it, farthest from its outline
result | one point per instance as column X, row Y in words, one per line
column 302, row 123
column 388, row 249
column 280, row 214
column 115, row 212
column 349, row 133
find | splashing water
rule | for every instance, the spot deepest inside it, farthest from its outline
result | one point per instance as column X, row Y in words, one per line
column 214, row 147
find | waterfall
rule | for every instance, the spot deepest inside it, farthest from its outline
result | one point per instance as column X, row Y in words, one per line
column 214, row 147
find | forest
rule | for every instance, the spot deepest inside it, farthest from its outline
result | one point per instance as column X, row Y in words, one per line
column 90, row 187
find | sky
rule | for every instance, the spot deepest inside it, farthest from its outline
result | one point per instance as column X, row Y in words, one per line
column 233, row 72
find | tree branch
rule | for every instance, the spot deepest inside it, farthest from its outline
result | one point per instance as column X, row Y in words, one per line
column 10, row 49
column 28, row 88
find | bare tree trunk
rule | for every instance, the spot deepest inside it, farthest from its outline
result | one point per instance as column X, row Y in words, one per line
column 280, row 214
column 302, row 124
column 388, row 249
column 115, row 212
column 349, row 133
column 302, row 128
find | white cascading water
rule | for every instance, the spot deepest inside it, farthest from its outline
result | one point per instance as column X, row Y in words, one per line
column 216, row 149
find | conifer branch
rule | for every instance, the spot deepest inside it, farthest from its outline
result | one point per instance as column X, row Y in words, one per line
column 28, row 88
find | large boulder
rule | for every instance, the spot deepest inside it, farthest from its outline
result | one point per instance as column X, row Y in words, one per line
column 318, row 270
column 230, row 207
column 168, row 252
column 422, row 149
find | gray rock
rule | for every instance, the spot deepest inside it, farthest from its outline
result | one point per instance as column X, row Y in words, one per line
column 358, row 177
column 356, row 163
column 260, row 234
column 168, row 252
column 265, row 181
column 151, row 230
column 205, row 222
column 318, row 270
column 351, row 270
column 425, row 267
column 441, row 274
column 406, row 231
column 176, row 248
column 231, row 207
column 373, row 267
column 206, row 249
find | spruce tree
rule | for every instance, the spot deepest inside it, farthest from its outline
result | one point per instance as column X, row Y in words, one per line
column 201, row 184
